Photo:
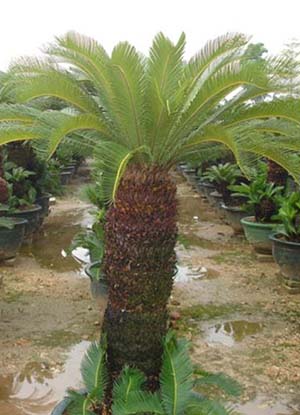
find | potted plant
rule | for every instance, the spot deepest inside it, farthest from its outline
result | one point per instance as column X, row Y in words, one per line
column 262, row 198
column 222, row 176
column 12, row 232
column 22, row 198
column 177, row 391
column 286, row 242
column 154, row 112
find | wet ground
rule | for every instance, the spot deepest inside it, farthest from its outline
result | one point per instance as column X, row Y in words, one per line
column 232, row 307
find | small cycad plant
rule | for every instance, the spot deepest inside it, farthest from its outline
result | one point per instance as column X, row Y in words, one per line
column 289, row 216
column 222, row 176
column 260, row 197
column 175, row 395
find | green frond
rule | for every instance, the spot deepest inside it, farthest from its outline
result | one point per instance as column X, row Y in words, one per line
column 93, row 371
column 223, row 382
column 214, row 55
column 10, row 133
column 176, row 375
column 87, row 55
column 252, row 149
column 128, row 83
column 130, row 380
column 216, row 89
column 51, row 83
column 211, row 133
column 112, row 160
column 79, row 404
column 285, row 108
column 18, row 113
column 164, row 72
column 198, row 405
column 137, row 403
column 64, row 125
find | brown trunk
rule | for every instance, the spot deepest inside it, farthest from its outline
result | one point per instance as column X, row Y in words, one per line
column 140, row 265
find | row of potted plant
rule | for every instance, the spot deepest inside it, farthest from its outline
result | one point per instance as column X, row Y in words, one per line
column 267, row 213
column 27, row 183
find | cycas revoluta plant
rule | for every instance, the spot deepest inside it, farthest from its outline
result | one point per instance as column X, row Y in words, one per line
column 222, row 176
column 289, row 216
column 140, row 116
column 175, row 395
column 260, row 196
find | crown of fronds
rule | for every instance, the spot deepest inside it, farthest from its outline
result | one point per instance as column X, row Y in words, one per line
column 156, row 109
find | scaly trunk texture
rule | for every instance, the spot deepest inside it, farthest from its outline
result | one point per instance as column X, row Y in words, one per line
column 276, row 174
column 140, row 265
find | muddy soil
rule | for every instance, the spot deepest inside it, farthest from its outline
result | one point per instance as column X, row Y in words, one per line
column 232, row 306
column 236, row 312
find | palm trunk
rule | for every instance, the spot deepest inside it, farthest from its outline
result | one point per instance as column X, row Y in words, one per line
column 140, row 266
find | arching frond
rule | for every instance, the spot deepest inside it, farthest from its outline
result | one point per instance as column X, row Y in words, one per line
column 285, row 108
column 10, row 133
column 176, row 375
column 55, row 129
column 18, row 113
column 112, row 160
column 39, row 80
column 164, row 73
column 128, row 83
column 89, row 57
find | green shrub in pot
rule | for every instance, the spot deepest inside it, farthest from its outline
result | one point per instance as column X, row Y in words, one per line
column 286, row 242
column 222, row 176
column 262, row 198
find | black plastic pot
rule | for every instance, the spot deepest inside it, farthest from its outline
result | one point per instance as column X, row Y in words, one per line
column 205, row 188
column 32, row 215
column 234, row 215
column 11, row 239
column 61, row 407
column 44, row 202
column 65, row 177
column 215, row 199
column 98, row 286
column 287, row 255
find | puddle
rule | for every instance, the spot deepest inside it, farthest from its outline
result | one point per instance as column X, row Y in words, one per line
column 49, row 248
column 263, row 406
column 38, row 388
column 231, row 332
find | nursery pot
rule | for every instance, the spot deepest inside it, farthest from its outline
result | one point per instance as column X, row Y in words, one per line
column 287, row 255
column 11, row 239
column 233, row 215
column 65, row 177
column 215, row 198
column 257, row 234
column 61, row 407
column 205, row 187
column 44, row 202
column 32, row 215
column 98, row 287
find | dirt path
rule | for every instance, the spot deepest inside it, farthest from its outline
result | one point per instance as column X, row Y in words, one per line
column 233, row 308
column 241, row 321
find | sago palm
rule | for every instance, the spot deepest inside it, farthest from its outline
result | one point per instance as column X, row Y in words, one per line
column 140, row 116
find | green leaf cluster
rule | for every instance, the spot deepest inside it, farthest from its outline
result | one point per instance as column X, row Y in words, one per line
column 130, row 397
column 128, row 108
